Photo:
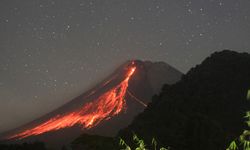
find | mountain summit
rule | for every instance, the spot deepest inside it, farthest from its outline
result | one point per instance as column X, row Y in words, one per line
column 104, row 109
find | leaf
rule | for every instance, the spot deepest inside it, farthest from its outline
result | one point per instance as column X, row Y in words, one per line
column 121, row 142
column 154, row 143
column 135, row 138
column 233, row 146
column 248, row 95
column 128, row 148
column 246, row 144
column 248, row 123
column 164, row 148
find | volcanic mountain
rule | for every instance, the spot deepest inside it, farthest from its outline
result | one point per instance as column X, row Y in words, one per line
column 104, row 109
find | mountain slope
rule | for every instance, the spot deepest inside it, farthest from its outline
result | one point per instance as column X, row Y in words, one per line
column 202, row 111
column 103, row 110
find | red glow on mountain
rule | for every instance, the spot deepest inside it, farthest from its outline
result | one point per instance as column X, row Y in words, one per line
column 90, row 114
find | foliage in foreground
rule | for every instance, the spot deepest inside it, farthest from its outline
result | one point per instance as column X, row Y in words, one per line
column 243, row 141
column 140, row 145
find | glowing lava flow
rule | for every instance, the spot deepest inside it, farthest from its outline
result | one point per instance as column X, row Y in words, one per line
column 107, row 105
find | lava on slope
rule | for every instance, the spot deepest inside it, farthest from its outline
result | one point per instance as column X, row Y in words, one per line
column 89, row 115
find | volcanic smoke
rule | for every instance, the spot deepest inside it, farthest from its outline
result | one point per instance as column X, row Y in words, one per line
column 90, row 114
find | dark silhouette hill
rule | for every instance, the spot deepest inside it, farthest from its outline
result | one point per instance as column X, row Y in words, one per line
column 203, row 111
column 24, row 146
column 103, row 110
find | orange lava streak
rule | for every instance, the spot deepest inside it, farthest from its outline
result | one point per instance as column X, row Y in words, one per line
column 92, row 113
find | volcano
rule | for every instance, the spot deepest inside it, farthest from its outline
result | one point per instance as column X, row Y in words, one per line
column 104, row 109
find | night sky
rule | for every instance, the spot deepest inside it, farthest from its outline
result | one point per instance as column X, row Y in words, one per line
column 53, row 50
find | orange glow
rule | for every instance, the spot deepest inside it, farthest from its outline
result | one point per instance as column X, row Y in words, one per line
column 91, row 114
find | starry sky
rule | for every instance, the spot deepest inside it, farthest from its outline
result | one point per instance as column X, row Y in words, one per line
column 53, row 50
